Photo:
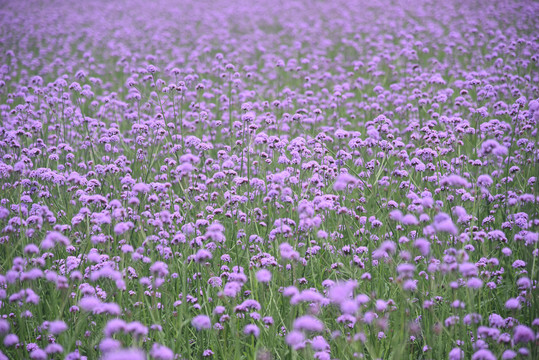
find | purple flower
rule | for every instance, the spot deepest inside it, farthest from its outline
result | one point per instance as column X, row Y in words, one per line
column 342, row 291
column 396, row 215
column 406, row 270
column 410, row 285
column 161, row 352
column 409, row 219
column 159, row 268
column 57, row 327
column 136, row 328
column 207, row 353
column 523, row 334
column 263, row 276
column 54, row 349
column 123, row 227
column 454, row 180
column 484, row 180
column 318, row 343
column 201, row 322
column 4, row 326
column 108, row 344
column 509, row 354
column 321, row 355
column 456, row 354
column 89, row 303
column 53, row 238
column 475, row 283
column 202, row 255
column 10, row 340
column 125, row 354
column 38, row 354
column 295, row 338
column 423, row 246
column 308, row 323
column 343, row 181
column 288, row 252
column 381, row 305
column 443, row 223
column 114, row 326
column 251, row 329
column 513, row 304
column 491, row 146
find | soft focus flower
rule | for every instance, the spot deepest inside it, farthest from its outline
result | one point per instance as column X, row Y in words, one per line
column 201, row 322
column 308, row 323
column 125, row 354
column 251, row 329
column 263, row 276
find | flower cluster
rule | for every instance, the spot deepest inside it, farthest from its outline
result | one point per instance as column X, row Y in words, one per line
column 279, row 179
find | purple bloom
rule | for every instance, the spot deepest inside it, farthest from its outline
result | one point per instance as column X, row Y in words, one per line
column 410, row 285
column 159, row 268
column 207, row 353
column 512, row 304
column 321, row 355
column 288, row 252
column 456, row 354
column 114, row 326
column 454, row 180
column 161, row 352
column 38, row 354
column 406, row 270
column 4, row 326
column 123, row 227
column 484, row 180
column 295, row 338
column 10, row 340
column 409, row 219
column 475, row 283
column 263, row 276
column 201, row 322
column 396, row 215
column 318, row 343
column 203, row 255
column 443, row 223
column 343, row 181
column 125, row 354
column 423, row 245
column 54, row 349
column 523, row 334
column 483, row 354
column 342, row 291
column 509, row 354
column 308, row 323
column 251, row 329
column 108, row 344
column 381, row 305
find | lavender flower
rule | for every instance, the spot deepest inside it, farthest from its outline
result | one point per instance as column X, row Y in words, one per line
column 201, row 322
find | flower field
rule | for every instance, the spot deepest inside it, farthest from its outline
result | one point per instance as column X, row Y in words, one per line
column 272, row 179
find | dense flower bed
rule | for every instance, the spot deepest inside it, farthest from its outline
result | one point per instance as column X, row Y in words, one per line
column 269, row 180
